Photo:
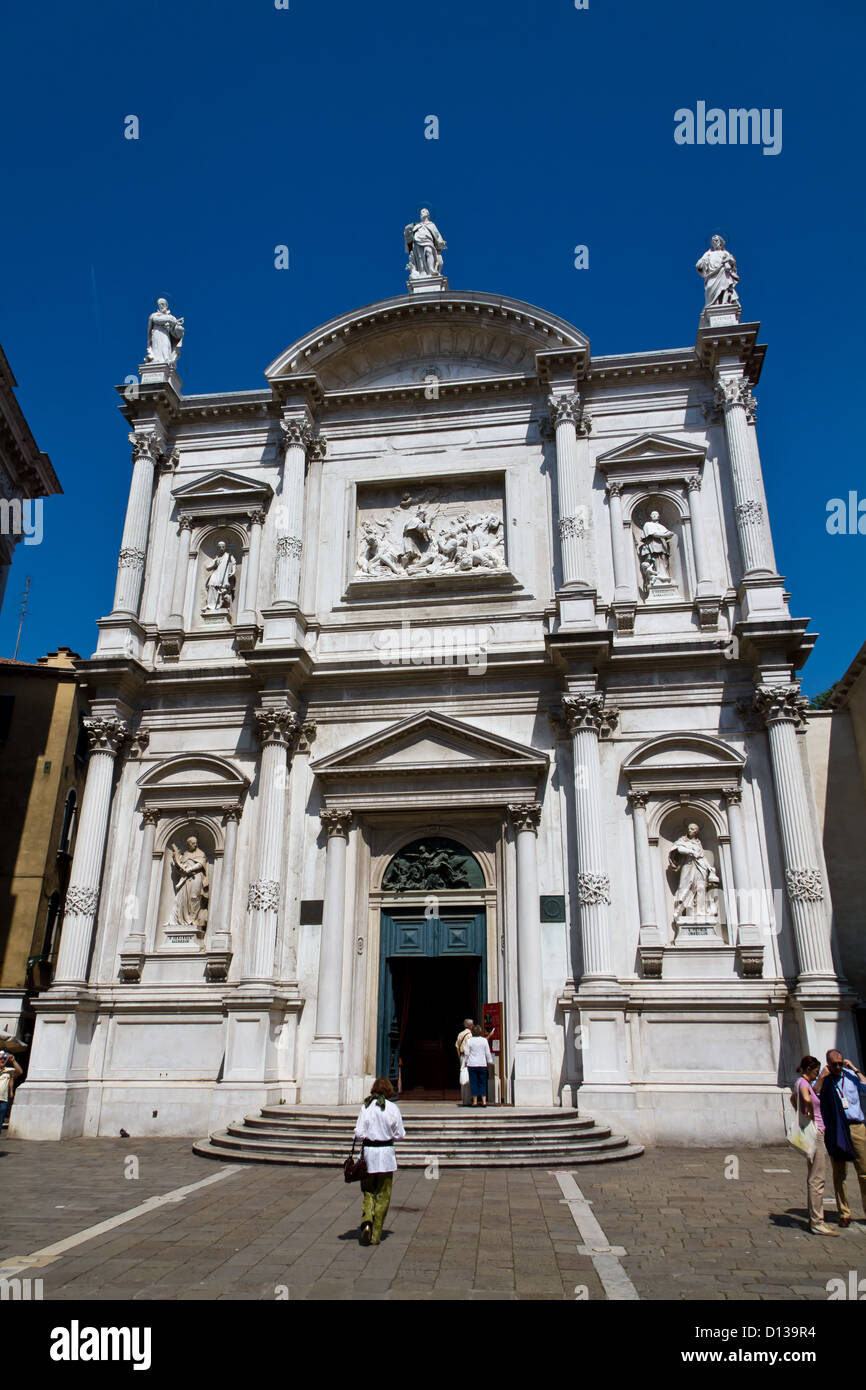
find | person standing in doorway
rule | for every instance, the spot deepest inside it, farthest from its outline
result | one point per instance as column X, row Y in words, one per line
column 478, row 1058
column 842, row 1089
column 462, row 1039
column 379, row 1124
column 809, row 1108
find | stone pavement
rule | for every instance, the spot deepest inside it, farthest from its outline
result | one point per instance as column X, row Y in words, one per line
column 263, row 1232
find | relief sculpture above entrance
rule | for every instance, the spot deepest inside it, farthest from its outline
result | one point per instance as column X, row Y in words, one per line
column 434, row 863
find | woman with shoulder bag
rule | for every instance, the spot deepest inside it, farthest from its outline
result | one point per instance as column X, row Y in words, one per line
column 809, row 1109
column 478, row 1058
column 379, row 1124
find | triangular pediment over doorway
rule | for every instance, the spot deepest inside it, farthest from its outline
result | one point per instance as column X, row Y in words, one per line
column 431, row 759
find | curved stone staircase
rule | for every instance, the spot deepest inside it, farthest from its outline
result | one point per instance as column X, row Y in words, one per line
column 498, row 1137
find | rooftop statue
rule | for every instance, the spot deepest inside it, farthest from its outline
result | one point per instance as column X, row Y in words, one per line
column 719, row 270
column 164, row 334
column 424, row 246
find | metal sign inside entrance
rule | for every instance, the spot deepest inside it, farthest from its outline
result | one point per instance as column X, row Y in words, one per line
column 432, row 975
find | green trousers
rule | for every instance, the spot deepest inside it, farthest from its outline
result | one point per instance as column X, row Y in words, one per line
column 377, row 1199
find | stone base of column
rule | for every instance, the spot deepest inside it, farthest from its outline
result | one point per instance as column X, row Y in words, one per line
column 825, row 1017
column 284, row 627
column 48, row 1105
column 324, row 1082
column 253, row 1019
column 601, row 1039
column 121, row 634
column 762, row 596
column 11, row 1004
column 576, row 607
column 533, row 1079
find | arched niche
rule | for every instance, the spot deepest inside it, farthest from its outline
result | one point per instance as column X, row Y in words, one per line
column 648, row 549
column 190, row 849
column 209, row 545
column 432, row 863
column 690, row 851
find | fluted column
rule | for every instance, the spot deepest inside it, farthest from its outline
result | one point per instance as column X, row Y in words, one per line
column 734, row 398
column 623, row 573
column 251, row 574
column 328, row 1002
column 290, row 509
column 137, row 936
column 221, row 922
column 649, row 928
column 749, row 943
column 530, row 980
column 147, row 449
column 782, row 708
column 587, row 718
column 699, row 538
column 567, row 418
column 181, row 568
column 274, row 728
column 106, row 734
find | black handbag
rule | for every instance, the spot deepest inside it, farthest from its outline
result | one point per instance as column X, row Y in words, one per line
column 354, row 1169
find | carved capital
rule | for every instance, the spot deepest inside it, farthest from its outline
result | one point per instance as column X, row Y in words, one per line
column 318, row 449
column 81, row 901
column 564, row 409
column 336, row 822
column 147, row 444
column 257, row 518
column 613, row 488
column 588, row 711
column 138, row 744
column 781, row 704
column 525, row 816
column 289, row 545
column 150, row 816
column 734, row 391
column 805, row 885
column 593, row 890
column 638, row 800
column 306, row 734
column 733, row 795
column 106, row 734
column 185, row 523
column 275, row 726
column 693, row 483
column 263, row 895
column 296, row 433
column 230, row 813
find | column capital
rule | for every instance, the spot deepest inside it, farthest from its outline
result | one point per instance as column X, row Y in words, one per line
column 588, row 711
column 147, row 444
column 336, row 822
column 150, row 815
column 106, row 734
column 257, row 518
column 525, row 816
column 184, row 522
column 781, row 704
column 231, row 813
column 613, row 488
column 638, row 800
column 275, row 726
column 565, row 408
column 733, row 796
column 297, row 431
column 693, row 484
column 732, row 391
column 318, row 448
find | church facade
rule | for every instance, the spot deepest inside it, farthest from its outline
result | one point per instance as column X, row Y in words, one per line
column 451, row 667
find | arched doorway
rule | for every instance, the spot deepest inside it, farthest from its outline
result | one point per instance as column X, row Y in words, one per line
column 432, row 964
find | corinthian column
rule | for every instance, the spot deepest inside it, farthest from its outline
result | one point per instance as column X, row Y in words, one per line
column 587, row 719
column 782, row 709
column 290, row 509
column 251, row 576
column 133, row 948
column 533, row 1082
column 323, row 1083
column 567, row 419
column 735, row 399
column 274, row 728
column 147, row 449
column 749, row 945
column 106, row 735
column 623, row 570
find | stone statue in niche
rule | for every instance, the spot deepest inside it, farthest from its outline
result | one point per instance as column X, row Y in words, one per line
column 414, row 538
column 654, row 556
column 696, row 900
column 719, row 270
column 191, row 886
column 164, row 334
column 220, row 585
column 424, row 247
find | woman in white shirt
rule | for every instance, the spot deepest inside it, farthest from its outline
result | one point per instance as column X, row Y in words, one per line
column 478, row 1057
column 379, row 1124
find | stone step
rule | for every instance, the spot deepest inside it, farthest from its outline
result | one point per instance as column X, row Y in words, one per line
column 493, row 1117
column 469, row 1145
column 493, row 1133
column 531, row 1157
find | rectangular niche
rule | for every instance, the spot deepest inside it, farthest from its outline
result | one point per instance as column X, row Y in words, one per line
column 419, row 536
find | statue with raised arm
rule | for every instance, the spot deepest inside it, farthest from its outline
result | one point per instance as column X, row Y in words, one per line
column 719, row 270
column 424, row 247
column 164, row 334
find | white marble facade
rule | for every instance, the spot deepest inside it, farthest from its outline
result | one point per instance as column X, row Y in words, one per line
column 407, row 589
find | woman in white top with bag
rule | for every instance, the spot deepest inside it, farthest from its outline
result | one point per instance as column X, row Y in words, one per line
column 379, row 1124
column 477, row 1057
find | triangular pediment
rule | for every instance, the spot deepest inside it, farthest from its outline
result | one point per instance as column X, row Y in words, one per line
column 652, row 448
column 429, row 741
column 221, row 486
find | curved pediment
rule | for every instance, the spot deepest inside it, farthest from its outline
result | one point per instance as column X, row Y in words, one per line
column 406, row 340
column 194, row 779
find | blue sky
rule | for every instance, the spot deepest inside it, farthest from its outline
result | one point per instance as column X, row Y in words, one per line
column 305, row 127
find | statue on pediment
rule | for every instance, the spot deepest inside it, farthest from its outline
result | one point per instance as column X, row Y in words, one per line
column 164, row 334
column 424, row 246
column 719, row 271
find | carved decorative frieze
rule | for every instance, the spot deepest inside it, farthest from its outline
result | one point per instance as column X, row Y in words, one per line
column 593, row 889
column 289, row 545
column 781, row 704
column 805, row 885
column 130, row 558
column 263, row 895
column 81, row 900
column 572, row 527
column 106, row 734
column 336, row 822
column 588, row 711
column 525, row 816
column 438, row 529
column 275, row 726
column 750, row 513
